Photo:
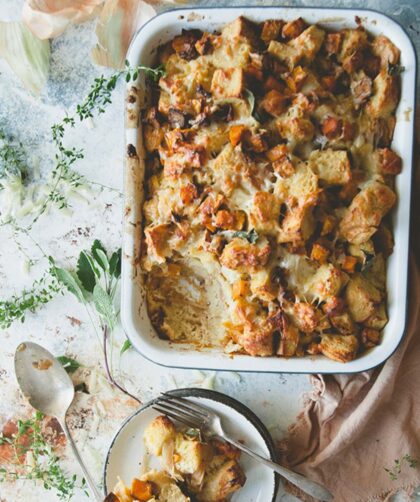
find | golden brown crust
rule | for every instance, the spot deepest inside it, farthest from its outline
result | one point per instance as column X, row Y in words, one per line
column 270, row 176
column 366, row 211
column 340, row 348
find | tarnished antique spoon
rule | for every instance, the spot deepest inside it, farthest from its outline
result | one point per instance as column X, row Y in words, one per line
column 49, row 389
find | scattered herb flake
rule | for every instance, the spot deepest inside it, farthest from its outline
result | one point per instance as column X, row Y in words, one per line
column 125, row 346
column 395, row 69
column 251, row 236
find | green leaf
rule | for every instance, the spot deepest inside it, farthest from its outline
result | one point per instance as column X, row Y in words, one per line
column 99, row 253
column 70, row 280
column 194, row 433
column 115, row 264
column 86, row 271
column 153, row 73
column 251, row 236
column 125, row 346
column 395, row 69
column 69, row 364
column 102, row 259
column 104, row 306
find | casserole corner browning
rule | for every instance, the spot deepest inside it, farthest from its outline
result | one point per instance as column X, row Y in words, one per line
column 269, row 179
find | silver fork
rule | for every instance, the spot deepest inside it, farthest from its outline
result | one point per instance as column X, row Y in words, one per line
column 195, row 415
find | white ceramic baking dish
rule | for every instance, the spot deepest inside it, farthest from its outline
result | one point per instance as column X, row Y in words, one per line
column 134, row 313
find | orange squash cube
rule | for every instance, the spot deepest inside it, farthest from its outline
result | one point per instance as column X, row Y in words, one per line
column 235, row 134
column 141, row 490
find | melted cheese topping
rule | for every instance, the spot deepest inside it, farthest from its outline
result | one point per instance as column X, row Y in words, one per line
column 269, row 177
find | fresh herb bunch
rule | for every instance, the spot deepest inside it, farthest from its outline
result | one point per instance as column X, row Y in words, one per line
column 29, row 300
column 34, row 458
column 12, row 158
column 94, row 284
column 396, row 469
column 12, row 163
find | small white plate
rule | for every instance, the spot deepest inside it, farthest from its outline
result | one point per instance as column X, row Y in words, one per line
column 127, row 451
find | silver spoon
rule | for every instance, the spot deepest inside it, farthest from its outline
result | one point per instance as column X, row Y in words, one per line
column 49, row 389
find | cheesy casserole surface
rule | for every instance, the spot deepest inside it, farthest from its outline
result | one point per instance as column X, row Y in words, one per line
column 269, row 177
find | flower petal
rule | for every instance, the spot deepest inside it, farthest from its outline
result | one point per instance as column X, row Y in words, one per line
column 49, row 18
column 28, row 57
column 118, row 22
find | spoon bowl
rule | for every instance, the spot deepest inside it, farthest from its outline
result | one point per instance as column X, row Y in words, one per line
column 43, row 380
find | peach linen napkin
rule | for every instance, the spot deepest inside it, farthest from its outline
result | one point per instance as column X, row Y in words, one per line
column 354, row 426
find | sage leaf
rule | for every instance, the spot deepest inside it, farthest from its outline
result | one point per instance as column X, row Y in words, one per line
column 68, row 363
column 251, row 100
column 102, row 259
column 87, row 271
column 104, row 306
column 70, row 280
column 115, row 264
column 251, row 236
column 96, row 246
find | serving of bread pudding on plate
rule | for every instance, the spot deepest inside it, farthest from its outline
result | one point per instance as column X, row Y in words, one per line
column 192, row 468
column 269, row 182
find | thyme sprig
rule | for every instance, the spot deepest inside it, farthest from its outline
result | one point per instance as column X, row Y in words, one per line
column 34, row 458
column 29, row 300
column 101, row 90
column 96, row 101
column 399, row 463
column 12, row 158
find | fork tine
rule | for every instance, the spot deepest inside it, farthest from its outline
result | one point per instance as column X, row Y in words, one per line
column 202, row 410
column 180, row 405
column 174, row 409
column 179, row 413
column 175, row 417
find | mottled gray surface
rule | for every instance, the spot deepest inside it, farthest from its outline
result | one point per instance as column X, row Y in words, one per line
column 62, row 326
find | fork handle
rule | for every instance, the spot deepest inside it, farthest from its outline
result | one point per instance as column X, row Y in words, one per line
column 306, row 485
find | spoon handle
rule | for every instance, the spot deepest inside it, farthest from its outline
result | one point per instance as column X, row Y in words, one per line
column 92, row 486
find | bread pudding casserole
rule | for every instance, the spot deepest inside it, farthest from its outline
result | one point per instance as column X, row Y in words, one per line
column 269, row 178
column 192, row 469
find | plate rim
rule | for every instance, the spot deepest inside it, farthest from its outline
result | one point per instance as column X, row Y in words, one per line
column 214, row 396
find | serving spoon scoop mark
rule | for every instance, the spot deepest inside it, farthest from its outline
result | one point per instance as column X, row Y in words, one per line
column 49, row 389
